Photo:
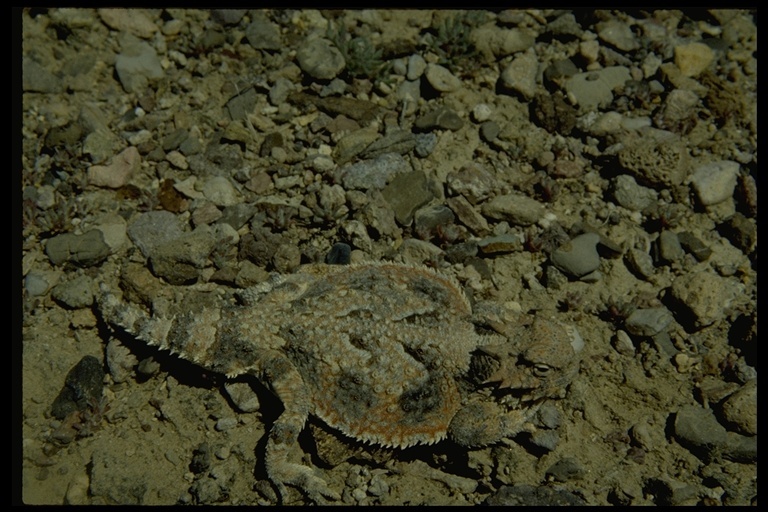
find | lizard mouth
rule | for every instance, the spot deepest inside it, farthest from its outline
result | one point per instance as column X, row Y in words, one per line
column 517, row 398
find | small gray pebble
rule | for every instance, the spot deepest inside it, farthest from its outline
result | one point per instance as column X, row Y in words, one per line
column 183, row 267
column 406, row 193
column 714, row 182
column 740, row 448
column 694, row 246
column 741, row 231
column 461, row 252
column 416, row 66
column 517, row 209
column 669, row 246
column 528, row 495
column 378, row 485
column 77, row 293
column 500, row 244
column 36, row 284
column 335, row 87
column 374, row 173
column 641, row 263
column 664, row 344
column 319, row 59
column 623, row 343
column 649, row 321
column 425, row 144
column 740, row 409
column 207, row 491
column 443, row 118
column 225, row 424
column 339, row 254
column 222, row 452
column 174, row 139
column 565, row 25
column 593, row 277
column 279, row 91
column 211, row 38
column 546, row 440
column 566, row 469
column 554, row 279
column 148, row 367
column 201, row 459
column 632, row 196
column 400, row 67
column 85, row 250
column 578, row 257
column 243, row 396
column 430, row 217
column 36, row 78
column 697, row 429
column 287, row 258
column 744, row 372
column 489, row 130
column 262, row 34
column 358, row 494
column 152, row 229
column 136, row 65
column 228, row 16
column 236, row 215
column 549, row 416
column 441, row 78
column 617, row 33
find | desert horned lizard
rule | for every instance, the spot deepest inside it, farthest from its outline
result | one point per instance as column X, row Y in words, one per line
column 385, row 353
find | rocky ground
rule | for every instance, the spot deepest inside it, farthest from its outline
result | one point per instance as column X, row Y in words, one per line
column 597, row 165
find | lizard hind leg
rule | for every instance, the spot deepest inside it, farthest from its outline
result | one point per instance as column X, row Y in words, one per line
column 277, row 372
column 191, row 333
column 132, row 318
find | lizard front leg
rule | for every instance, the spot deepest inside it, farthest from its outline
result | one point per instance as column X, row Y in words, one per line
column 280, row 375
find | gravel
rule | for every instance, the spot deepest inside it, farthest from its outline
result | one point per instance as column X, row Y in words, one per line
column 595, row 166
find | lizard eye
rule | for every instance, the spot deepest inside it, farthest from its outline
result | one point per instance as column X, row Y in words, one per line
column 541, row 370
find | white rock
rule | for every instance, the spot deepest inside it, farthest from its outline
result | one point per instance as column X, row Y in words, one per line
column 714, row 182
column 610, row 122
column 416, row 66
column 220, row 191
column 520, row 75
column 442, row 79
column 187, row 188
column 117, row 173
column 136, row 21
column 495, row 42
column 177, row 160
column 320, row 59
column 618, row 34
column 593, row 89
column 481, row 112
column 693, row 58
column 590, row 50
column 113, row 228
column 243, row 396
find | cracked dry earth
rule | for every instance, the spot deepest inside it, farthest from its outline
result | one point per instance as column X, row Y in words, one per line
column 593, row 167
